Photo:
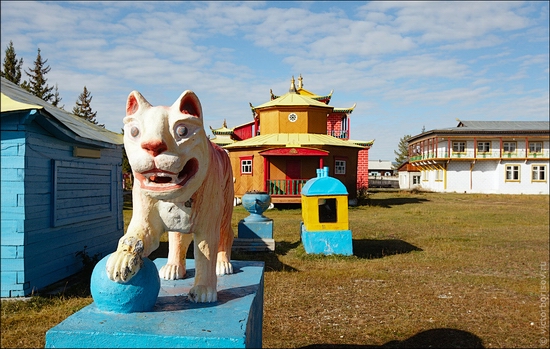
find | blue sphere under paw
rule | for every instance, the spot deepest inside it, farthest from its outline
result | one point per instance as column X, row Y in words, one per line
column 139, row 294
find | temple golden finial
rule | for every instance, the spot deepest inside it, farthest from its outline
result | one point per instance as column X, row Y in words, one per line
column 300, row 82
column 224, row 123
column 292, row 85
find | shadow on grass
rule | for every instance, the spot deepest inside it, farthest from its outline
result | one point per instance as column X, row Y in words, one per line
column 373, row 249
column 434, row 338
column 389, row 202
column 272, row 263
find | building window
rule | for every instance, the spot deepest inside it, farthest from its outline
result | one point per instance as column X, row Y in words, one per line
column 483, row 147
column 416, row 179
column 509, row 147
column 340, row 167
column 538, row 173
column 535, row 147
column 512, row 173
column 459, row 147
column 246, row 165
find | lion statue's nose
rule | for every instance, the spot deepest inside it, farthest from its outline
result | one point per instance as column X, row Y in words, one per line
column 154, row 147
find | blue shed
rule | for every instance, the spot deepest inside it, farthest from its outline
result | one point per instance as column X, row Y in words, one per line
column 61, row 190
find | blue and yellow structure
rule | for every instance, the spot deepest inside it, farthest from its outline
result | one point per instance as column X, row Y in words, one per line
column 325, row 225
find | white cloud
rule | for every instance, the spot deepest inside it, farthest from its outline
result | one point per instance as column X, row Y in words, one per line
column 405, row 64
column 443, row 21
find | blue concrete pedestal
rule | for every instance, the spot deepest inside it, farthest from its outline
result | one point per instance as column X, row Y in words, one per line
column 234, row 321
column 327, row 242
column 255, row 236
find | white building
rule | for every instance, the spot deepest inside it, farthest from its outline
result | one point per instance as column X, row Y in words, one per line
column 380, row 168
column 504, row 157
column 409, row 176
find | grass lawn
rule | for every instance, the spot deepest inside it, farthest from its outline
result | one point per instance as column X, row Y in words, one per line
column 462, row 270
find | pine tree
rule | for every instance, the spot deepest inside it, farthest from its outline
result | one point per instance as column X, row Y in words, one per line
column 83, row 108
column 402, row 152
column 57, row 99
column 37, row 84
column 12, row 67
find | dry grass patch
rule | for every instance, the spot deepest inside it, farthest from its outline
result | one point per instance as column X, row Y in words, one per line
column 437, row 270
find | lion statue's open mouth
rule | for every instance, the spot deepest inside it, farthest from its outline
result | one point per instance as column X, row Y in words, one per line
column 160, row 180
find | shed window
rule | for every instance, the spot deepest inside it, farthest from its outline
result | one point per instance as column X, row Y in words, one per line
column 82, row 192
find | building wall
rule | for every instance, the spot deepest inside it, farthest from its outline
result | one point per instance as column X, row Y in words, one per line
column 334, row 124
column 70, row 205
column 487, row 177
column 13, row 210
column 363, row 169
column 308, row 120
column 247, row 182
column 255, row 181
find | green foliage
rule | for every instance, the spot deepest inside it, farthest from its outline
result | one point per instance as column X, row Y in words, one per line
column 83, row 107
column 402, row 152
column 37, row 83
column 87, row 261
column 11, row 69
column 56, row 98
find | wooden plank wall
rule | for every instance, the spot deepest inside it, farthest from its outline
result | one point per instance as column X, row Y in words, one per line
column 54, row 230
column 13, row 210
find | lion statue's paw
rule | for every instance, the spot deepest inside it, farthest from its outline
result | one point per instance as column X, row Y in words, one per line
column 203, row 294
column 122, row 266
column 223, row 268
column 172, row 272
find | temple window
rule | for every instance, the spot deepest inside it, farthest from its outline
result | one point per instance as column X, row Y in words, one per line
column 246, row 165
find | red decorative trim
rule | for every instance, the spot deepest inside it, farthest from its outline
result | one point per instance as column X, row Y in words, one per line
column 294, row 152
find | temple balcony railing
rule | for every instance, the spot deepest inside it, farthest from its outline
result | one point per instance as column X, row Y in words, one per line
column 339, row 134
column 285, row 187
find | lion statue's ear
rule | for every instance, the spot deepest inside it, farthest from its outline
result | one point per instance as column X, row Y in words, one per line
column 135, row 102
column 188, row 103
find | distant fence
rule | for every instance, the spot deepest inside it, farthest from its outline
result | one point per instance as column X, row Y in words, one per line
column 383, row 182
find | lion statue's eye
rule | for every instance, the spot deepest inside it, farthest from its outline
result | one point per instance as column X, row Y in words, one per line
column 134, row 131
column 181, row 131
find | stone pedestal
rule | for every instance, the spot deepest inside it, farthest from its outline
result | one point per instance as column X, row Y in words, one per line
column 327, row 242
column 234, row 321
column 256, row 236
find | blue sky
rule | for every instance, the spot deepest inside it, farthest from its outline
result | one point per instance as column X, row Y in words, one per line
column 407, row 65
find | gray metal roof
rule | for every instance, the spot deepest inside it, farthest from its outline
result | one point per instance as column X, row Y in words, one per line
column 505, row 125
column 79, row 126
column 490, row 127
